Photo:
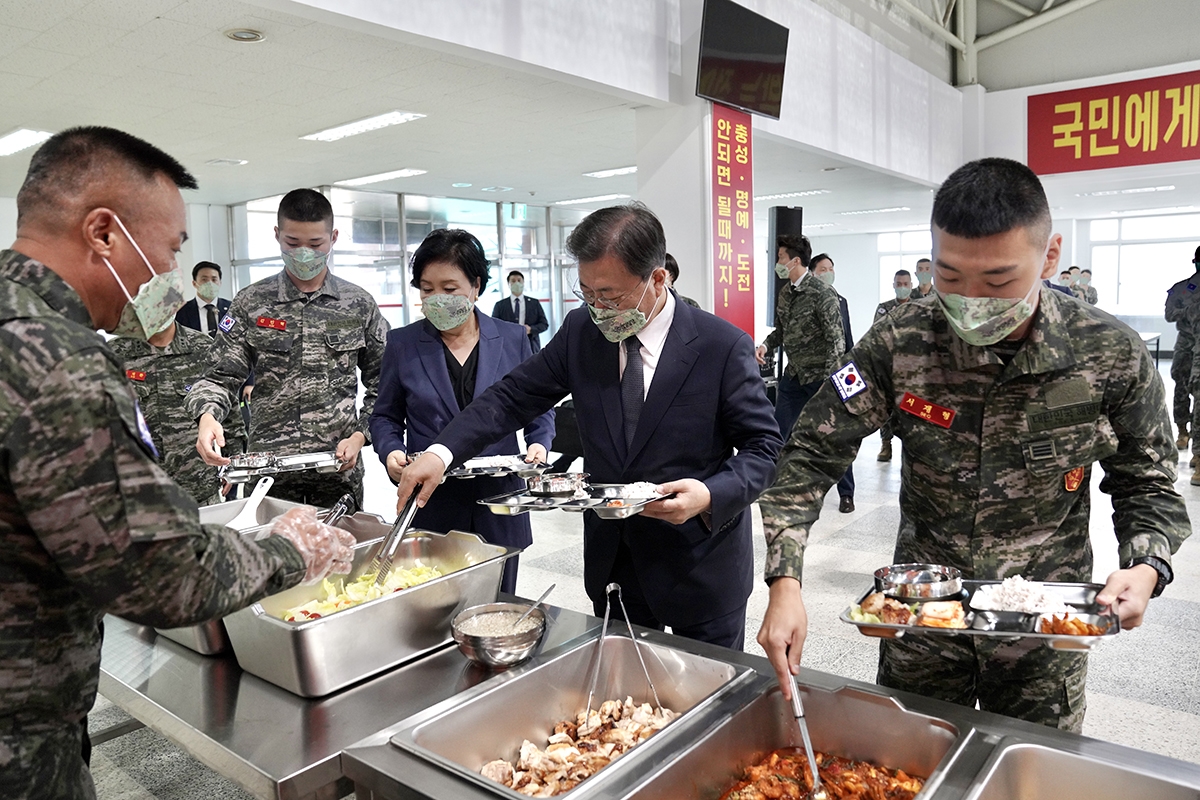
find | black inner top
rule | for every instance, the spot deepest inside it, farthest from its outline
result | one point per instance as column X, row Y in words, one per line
column 462, row 376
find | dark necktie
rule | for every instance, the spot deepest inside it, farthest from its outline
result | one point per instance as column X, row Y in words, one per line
column 212, row 319
column 632, row 388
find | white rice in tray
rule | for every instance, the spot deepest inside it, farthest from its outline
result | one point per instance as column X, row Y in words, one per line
column 1018, row 594
column 488, row 462
column 640, row 489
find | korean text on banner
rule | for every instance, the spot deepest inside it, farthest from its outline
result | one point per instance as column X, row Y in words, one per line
column 733, row 217
column 1149, row 121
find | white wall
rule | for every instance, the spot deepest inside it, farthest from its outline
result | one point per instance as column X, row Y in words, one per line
column 8, row 220
column 208, row 240
column 856, row 271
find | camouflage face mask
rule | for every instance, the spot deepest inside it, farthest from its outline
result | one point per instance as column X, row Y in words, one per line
column 153, row 309
column 305, row 263
column 983, row 321
column 446, row 311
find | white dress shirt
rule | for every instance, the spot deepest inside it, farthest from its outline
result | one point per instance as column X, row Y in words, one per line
column 653, row 337
column 519, row 309
column 203, row 309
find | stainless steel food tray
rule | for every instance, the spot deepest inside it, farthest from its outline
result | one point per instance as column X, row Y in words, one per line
column 320, row 656
column 209, row 638
column 325, row 461
column 520, row 469
column 849, row 722
column 599, row 496
column 1081, row 597
column 491, row 720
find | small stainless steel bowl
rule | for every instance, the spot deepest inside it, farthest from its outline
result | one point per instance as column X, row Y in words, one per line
column 919, row 581
column 555, row 484
column 251, row 460
column 499, row 651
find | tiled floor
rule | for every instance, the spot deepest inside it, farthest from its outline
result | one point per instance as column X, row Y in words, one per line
column 1143, row 687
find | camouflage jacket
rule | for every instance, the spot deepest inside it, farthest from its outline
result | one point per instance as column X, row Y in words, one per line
column 1085, row 293
column 808, row 323
column 1180, row 297
column 161, row 377
column 306, row 353
column 887, row 305
column 997, row 458
column 89, row 523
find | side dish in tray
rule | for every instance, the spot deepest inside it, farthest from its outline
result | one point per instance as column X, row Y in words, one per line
column 785, row 774
column 339, row 594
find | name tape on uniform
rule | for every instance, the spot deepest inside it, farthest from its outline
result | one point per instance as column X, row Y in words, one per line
column 273, row 324
column 135, row 375
column 848, row 382
column 930, row 412
column 226, row 323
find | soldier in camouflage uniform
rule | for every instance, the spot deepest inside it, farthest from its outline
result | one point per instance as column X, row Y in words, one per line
column 90, row 523
column 902, row 284
column 1083, row 289
column 1179, row 297
column 306, row 334
column 808, row 323
column 162, row 372
column 1006, row 393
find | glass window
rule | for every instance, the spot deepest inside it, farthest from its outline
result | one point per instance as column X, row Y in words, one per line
column 1175, row 226
column 889, row 242
column 424, row 215
column 1104, row 230
column 916, row 241
column 1146, row 273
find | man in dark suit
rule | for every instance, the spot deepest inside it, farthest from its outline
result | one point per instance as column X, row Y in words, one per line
column 522, row 310
column 822, row 267
column 204, row 313
column 663, row 393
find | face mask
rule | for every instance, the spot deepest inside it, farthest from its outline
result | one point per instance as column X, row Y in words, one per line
column 447, row 311
column 827, row 277
column 208, row 291
column 1084, row 280
column 619, row 324
column 305, row 263
column 924, row 278
column 157, row 301
column 781, row 269
column 516, row 287
column 902, row 292
column 983, row 321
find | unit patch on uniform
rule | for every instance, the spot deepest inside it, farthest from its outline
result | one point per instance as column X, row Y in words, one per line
column 848, row 382
column 135, row 375
column 226, row 323
column 1073, row 479
column 273, row 324
column 930, row 412
column 144, row 430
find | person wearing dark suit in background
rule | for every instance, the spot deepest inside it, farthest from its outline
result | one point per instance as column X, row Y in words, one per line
column 522, row 310
column 673, row 271
column 663, row 393
column 822, row 267
column 434, row 368
column 204, row 313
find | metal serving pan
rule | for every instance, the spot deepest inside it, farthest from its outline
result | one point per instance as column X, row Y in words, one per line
column 849, row 722
column 325, row 461
column 320, row 656
column 491, row 720
column 1081, row 597
column 209, row 638
column 473, row 469
column 598, row 499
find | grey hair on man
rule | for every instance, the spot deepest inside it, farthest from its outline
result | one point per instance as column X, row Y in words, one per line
column 630, row 233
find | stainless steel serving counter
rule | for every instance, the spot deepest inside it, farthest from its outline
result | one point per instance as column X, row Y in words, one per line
column 272, row 743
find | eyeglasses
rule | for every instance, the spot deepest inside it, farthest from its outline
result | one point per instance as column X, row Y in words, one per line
column 599, row 301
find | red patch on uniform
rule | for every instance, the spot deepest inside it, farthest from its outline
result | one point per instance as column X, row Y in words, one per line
column 273, row 324
column 1073, row 479
column 930, row 412
column 135, row 375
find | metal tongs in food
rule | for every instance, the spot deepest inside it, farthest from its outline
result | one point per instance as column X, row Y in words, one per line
column 798, row 711
column 615, row 587
column 381, row 565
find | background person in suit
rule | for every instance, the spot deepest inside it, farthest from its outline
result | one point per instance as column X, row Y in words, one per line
column 433, row 368
column 822, row 267
column 522, row 310
column 663, row 393
column 204, row 313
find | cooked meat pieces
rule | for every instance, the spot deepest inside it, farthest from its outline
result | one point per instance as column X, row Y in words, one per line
column 893, row 612
column 785, row 774
column 578, row 750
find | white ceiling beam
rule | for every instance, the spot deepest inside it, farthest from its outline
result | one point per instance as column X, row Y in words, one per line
column 931, row 24
column 1047, row 4
column 1016, row 7
column 1034, row 22
column 947, row 14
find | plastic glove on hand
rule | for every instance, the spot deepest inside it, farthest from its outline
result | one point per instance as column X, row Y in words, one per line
column 325, row 550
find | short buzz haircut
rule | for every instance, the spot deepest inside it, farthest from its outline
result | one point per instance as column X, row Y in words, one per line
column 672, row 266
column 452, row 246
column 72, row 162
column 206, row 265
column 515, row 274
column 629, row 233
column 1196, row 258
column 305, row 205
column 817, row 259
column 1073, row 267
column 796, row 245
column 992, row 196
column 1088, row 271
column 1064, row 272
column 903, row 273
column 921, row 261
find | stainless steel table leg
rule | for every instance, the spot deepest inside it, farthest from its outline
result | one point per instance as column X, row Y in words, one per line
column 115, row 731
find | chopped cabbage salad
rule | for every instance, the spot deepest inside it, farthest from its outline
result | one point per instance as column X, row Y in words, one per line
column 338, row 595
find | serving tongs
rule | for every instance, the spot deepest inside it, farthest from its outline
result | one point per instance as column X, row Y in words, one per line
column 341, row 508
column 817, row 793
column 381, row 565
column 608, row 591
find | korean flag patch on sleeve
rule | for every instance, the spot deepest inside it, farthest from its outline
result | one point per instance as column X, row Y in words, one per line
column 848, row 382
column 226, row 323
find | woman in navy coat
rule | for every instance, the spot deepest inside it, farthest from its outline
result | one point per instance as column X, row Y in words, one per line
column 433, row 368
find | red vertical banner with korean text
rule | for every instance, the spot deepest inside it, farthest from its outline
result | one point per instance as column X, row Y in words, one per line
column 733, row 217
column 1149, row 121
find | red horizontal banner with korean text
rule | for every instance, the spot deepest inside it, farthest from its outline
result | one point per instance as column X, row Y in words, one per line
column 1150, row 121
column 733, row 217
